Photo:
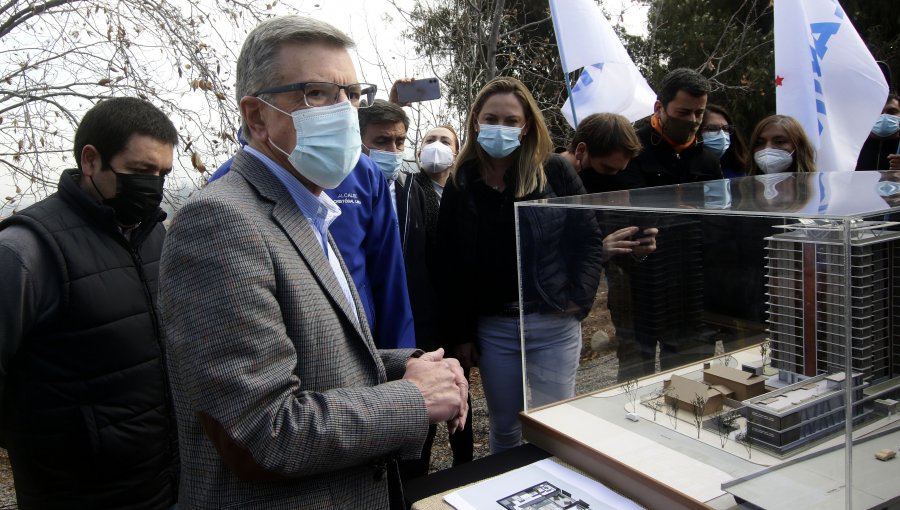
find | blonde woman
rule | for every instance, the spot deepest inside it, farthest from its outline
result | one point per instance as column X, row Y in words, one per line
column 780, row 145
column 507, row 158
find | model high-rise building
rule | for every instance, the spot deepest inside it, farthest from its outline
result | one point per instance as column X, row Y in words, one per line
column 809, row 296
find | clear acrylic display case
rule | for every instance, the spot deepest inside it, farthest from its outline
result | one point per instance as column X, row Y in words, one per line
column 716, row 370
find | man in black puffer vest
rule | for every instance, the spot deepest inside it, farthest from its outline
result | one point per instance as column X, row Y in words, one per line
column 85, row 411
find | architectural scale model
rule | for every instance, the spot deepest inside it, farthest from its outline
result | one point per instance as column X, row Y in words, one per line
column 807, row 303
column 807, row 299
column 790, row 417
column 719, row 382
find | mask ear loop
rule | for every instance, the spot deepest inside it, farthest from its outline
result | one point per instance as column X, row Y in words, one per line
column 279, row 149
column 96, row 188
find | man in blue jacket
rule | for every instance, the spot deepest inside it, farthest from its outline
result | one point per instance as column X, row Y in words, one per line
column 368, row 236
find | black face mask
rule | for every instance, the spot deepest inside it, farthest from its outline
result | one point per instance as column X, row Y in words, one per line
column 137, row 197
column 680, row 130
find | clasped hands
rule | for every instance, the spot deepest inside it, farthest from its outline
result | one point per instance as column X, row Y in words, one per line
column 444, row 387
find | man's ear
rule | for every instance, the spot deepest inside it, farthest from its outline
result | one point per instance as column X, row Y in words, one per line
column 251, row 113
column 580, row 150
column 657, row 106
column 91, row 161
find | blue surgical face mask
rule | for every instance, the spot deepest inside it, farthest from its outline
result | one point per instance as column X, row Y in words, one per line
column 886, row 125
column 388, row 162
column 498, row 141
column 887, row 188
column 717, row 142
column 328, row 143
column 717, row 194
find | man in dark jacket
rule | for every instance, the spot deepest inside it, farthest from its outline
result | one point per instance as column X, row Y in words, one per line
column 85, row 409
column 671, row 154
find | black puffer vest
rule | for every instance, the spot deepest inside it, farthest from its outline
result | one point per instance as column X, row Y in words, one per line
column 86, row 414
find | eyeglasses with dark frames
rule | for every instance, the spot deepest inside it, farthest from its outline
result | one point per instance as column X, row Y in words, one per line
column 323, row 93
column 712, row 129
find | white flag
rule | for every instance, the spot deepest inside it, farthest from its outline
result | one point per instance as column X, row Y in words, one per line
column 826, row 78
column 610, row 82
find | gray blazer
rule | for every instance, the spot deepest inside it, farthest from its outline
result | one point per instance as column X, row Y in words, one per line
column 282, row 399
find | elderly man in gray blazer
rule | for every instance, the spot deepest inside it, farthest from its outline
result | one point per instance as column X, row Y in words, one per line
column 282, row 399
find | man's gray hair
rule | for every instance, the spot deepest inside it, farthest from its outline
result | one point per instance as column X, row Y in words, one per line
column 257, row 65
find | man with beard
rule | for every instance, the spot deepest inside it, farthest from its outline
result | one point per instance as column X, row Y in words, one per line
column 645, row 320
column 672, row 153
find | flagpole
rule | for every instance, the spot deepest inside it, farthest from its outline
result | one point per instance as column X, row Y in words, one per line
column 562, row 60
column 571, row 102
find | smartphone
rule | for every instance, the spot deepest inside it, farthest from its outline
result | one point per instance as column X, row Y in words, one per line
column 641, row 237
column 415, row 91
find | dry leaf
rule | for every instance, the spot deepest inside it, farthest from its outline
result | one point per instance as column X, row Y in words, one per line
column 197, row 162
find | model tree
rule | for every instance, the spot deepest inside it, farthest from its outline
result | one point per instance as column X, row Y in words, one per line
column 745, row 438
column 698, row 404
column 630, row 388
column 672, row 408
column 725, row 421
column 655, row 401
column 763, row 352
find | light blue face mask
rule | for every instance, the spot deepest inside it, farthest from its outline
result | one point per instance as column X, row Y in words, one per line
column 717, row 194
column 717, row 142
column 498, row 141
column 887, row 188
column 886, row 125
column 388, row 162
column 328, row 143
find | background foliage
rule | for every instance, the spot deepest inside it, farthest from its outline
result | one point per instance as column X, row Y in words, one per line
column 729, row 41
column 59, row 57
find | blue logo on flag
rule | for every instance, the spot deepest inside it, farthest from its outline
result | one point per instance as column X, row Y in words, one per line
column 821, row 32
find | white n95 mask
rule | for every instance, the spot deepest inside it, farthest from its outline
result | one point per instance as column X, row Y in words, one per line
column 436, row 157
column 773, row 161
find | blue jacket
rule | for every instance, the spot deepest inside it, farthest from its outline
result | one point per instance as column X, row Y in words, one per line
column 368, row 236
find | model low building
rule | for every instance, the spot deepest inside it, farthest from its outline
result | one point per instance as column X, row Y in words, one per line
column 719, row 382
column 790, row 417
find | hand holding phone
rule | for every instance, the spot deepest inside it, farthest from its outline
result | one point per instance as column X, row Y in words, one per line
column 416, row 91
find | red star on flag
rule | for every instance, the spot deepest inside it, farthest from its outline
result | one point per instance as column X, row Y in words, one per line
column 778, row 80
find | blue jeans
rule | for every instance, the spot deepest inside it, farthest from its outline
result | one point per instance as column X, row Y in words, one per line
column 552, row 349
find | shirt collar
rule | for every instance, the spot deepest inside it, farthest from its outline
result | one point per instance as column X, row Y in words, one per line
column 320, row 210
